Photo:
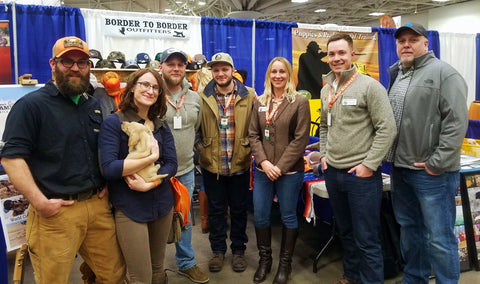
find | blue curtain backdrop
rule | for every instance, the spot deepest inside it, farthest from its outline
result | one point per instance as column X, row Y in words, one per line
column 233, row 36
column 387, row 50
column 477, row 77
column 271, row 39
column 38, row 28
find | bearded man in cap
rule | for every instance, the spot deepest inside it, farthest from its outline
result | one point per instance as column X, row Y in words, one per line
column 225, row 159
column 51, row 156
column 429, row 102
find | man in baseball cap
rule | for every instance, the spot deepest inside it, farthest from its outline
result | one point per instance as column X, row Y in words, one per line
column 225, row 159
column 51, row 157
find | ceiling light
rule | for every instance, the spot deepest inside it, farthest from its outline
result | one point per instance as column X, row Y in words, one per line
column 178, row 2
column 440, row 0
column 201, row 3
column 299, row 1
column 376, row 14
column 320, row 10
column 168, row 10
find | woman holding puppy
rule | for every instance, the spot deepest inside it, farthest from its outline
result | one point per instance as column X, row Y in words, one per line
column 278, row 135
column 143, row 210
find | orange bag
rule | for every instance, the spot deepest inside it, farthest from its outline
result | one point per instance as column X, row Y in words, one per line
column 182, row 199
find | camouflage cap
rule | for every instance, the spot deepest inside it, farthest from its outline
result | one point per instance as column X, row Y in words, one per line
column 116, row 56
column 155, row 64
column 104, row 64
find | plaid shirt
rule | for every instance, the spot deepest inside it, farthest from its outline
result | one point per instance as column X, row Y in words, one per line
column 227, row 135
column 397, row 98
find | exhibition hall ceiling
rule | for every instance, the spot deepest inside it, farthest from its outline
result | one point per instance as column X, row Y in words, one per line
column 340, row 12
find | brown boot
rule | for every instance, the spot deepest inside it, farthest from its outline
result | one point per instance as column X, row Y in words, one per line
column 289, row 237
column 203, row 200
column 265, row 253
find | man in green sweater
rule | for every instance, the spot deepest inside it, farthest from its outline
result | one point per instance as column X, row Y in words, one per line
column 183, row 117
column 356, row 130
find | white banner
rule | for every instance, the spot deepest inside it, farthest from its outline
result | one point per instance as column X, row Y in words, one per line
column 145, row 27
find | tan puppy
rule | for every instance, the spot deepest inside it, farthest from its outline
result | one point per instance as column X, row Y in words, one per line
column 139, row 147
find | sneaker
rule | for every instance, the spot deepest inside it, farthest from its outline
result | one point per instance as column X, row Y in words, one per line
column 345, row 281
column 195, row 274
column 216, row 262
column 239, row 264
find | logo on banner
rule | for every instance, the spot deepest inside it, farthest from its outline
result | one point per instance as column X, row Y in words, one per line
column 142, row 28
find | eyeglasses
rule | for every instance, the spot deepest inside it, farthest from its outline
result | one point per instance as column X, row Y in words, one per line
column 68, row 63
column 146, row 86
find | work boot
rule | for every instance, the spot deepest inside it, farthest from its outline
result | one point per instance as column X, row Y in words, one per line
column 265, row 253
column 239, row 264
column 216, row 262
column 195, row 274
column 203, row 200
column 289, row 237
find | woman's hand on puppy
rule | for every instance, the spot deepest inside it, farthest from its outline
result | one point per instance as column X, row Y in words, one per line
column 137, row 183
column 155, row 151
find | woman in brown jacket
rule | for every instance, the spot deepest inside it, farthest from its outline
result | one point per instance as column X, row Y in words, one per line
column 278, row 135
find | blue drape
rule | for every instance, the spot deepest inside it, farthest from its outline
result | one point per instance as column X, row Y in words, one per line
column 233, row 36
column 387, row 50
column 477, row 77
column 38, row 28
column 271, row 39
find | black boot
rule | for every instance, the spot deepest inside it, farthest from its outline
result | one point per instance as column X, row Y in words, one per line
column 289, row 237
column 265, row 253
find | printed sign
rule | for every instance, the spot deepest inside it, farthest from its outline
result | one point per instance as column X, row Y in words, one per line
column 145, row 27
column 5, row 55
column 13, row 214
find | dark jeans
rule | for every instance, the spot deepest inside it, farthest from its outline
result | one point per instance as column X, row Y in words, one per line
column 223, row 191
column 356, row 204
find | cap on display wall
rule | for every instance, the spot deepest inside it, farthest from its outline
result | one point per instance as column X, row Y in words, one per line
column 131, row 64
column 95, row 54
column 69, row 43
column 143, row 58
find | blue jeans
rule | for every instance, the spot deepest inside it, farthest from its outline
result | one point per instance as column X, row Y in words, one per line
column 287, row 188
column 424, row 206
column 223, row 191
column 356, row 204
column 184, row 255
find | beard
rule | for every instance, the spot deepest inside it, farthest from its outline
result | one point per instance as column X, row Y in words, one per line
column 226, row 84
column 172, row 81
column 69, row 88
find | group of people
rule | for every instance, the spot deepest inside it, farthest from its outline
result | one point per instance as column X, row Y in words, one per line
column 73, row 167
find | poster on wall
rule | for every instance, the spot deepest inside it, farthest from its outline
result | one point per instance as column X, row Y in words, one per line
column 13, row 214
column 5, row 59
column 309, row 57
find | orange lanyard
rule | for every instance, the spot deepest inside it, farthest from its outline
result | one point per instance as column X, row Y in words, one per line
column 269, row 115
column 230, row 98
column 180, row 104
column 331, row 100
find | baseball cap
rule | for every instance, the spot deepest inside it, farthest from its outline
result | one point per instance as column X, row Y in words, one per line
column 143, row 58
column 158, row 56
column 173, row 51
column 154, row 64
column 419, row 29
column 104, row 64
column 116, row 56
column 69, row 43
column 221, row 57
column 95, row 54
column 131, row 64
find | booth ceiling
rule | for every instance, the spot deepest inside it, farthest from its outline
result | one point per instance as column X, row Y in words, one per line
column 340, row 12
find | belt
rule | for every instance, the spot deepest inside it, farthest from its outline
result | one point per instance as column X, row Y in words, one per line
column 81, row 196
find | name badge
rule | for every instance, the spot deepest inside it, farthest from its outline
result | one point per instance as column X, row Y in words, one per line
column 329, row 119
column 349, row 102
column 177, row 122
column 262, row 109
column 224, row 122
column 267, row 134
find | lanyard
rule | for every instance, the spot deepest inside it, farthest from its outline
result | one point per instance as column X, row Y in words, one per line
column 180, row 104
column 227, row 103
column 268, row 115
column 331, row 100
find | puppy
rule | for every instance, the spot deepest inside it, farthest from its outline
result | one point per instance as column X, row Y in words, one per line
column 139, row 147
